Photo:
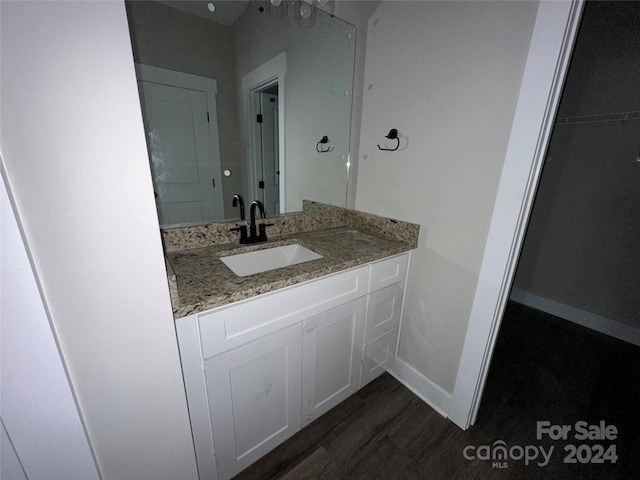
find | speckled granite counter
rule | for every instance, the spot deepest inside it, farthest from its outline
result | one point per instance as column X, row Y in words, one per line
column 199, row 280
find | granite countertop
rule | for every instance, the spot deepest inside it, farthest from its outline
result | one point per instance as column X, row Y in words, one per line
column 202, row 281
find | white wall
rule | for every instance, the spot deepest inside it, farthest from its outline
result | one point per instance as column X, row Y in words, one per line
column 36, row 403
column 10, row 467
column 447, row 75
column 73, row 144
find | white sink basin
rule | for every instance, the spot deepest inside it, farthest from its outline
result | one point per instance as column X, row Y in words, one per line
column 245, row 264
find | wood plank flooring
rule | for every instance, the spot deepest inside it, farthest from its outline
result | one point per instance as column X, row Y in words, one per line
column 544, row 368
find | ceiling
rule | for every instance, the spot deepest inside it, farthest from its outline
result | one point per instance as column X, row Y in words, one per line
column 226, row 11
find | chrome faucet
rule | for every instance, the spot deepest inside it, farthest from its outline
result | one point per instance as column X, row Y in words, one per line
column 238, row 199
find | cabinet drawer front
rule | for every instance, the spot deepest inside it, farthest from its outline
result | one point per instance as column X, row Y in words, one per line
column 384, row 308
column 239, row 323
column 378, row 356
column 387, row 272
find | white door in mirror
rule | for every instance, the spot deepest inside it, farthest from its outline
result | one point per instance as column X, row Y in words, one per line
column 184, row 163
column 250, row 263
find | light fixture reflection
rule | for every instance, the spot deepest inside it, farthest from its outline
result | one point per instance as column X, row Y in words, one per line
column 306, row 14
column 305, row 10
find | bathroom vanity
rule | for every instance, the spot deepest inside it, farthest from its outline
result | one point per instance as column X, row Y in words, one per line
column 264, row 355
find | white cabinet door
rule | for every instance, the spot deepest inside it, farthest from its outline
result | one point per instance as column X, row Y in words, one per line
column 254, row 398
column 332, row 349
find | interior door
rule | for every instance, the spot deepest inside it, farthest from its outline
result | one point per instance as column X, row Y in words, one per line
column 270, row 152
column 183, row 162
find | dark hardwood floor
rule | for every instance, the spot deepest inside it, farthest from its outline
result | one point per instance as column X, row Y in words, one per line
column 543, row 369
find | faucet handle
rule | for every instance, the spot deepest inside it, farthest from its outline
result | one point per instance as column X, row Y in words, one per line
column 243, row 232
column 262, row 229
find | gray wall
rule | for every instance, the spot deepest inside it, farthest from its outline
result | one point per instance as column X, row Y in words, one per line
column 318, row 93
column 168, row 38
column 320, row 72
column 581, row 247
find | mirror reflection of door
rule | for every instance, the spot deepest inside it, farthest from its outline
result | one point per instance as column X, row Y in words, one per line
column 264, row 93
column 270, row 150
column 183, row 155
column 246, row 48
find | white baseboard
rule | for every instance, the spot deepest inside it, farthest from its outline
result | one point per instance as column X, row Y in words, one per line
column 421, row 386
column 586, row 319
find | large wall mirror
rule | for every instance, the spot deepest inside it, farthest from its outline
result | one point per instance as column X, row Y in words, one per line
column 249, row 98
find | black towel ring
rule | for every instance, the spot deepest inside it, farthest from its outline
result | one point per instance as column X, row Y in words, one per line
column 392, row 135
column 323, row 141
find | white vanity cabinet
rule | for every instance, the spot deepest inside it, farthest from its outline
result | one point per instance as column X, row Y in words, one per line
column 258, row 370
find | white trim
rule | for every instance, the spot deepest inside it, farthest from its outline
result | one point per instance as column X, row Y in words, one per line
column 163, row 76
column 421, row 386
column 590, row 320
column 269, row 73
column 172, row 78
column 195, row 383
column 552, row 42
